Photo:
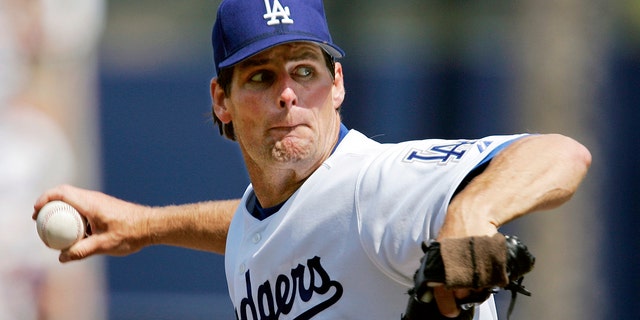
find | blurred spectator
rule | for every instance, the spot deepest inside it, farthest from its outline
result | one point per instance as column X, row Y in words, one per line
column 36, row 152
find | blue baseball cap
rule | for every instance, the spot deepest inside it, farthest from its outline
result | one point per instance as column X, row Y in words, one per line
column 244, row 28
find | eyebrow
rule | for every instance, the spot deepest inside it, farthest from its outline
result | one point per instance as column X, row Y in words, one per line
column 307, row 54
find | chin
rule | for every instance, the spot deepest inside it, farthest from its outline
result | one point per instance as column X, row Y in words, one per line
column 291, row 150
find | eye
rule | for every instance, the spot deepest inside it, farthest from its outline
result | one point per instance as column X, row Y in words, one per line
column 303, row 72
column 261, row 77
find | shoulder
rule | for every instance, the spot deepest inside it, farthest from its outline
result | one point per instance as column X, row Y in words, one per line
column 421, row 159
column 357, row 143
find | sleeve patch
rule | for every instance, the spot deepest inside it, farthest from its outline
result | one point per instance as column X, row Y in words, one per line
column 443, row 154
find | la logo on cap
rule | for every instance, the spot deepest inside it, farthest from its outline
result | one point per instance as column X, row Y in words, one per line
column 277, row 14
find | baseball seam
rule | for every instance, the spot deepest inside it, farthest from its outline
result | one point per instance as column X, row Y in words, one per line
column 55, row 210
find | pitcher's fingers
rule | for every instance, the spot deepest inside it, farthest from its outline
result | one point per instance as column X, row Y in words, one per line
column 446, row 302
column 58, row 193
column 83, row 249
column 81, row 199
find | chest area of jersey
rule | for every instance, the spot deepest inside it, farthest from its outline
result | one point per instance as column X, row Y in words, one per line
column 293, row 265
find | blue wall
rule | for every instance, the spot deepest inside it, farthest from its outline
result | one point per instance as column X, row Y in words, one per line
column 160, row 147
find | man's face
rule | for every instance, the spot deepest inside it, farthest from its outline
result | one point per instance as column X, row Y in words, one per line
column 283, row 104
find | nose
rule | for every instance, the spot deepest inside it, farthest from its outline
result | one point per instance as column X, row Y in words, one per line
column 288, row 98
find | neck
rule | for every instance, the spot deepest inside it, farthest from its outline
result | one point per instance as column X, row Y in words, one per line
column 277, row 189
column 274, row 182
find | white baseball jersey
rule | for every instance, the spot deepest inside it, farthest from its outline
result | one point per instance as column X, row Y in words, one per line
column 346, row 244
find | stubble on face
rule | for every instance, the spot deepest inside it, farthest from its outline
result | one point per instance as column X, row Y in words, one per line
column 291, row 150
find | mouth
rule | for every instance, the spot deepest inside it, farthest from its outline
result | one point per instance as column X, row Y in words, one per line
column 281, row 132
column 279, row 129
column 282, row 129
column 285, row 127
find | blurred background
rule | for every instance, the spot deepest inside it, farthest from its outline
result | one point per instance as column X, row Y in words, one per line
column 127, row 83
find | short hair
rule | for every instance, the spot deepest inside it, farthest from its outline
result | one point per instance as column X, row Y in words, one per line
column 224, row 80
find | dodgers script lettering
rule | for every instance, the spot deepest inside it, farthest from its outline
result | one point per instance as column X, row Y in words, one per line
column 269, row 301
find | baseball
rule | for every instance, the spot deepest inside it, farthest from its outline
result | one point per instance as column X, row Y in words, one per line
column 60, row 225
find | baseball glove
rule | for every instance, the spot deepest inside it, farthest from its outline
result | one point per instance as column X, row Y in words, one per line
column 484, row 264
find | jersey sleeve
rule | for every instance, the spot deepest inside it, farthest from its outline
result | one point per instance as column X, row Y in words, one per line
column 402, row 197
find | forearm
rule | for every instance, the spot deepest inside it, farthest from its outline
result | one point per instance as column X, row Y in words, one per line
column 534, row 173
column 200, row 226
column 120, row 228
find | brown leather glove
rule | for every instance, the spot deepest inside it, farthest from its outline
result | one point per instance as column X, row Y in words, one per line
column 485, row 264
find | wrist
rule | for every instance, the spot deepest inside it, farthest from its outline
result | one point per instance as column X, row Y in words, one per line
column 150, row 226
column 461, row 222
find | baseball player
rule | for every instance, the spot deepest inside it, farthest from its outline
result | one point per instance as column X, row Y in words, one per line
column 334, row 224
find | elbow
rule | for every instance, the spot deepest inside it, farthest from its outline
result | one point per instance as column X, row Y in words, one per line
column 572, row 161
column 567, row 150
column 576, row 159
column 585, row 157
column 577, row 154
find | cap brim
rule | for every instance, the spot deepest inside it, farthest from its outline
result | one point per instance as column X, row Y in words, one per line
column 264, row 44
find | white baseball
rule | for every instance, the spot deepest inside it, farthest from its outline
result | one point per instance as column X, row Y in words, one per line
column 60, row 225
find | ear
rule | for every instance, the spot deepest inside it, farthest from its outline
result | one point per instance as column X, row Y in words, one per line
column 338, row 87
column 218, row 98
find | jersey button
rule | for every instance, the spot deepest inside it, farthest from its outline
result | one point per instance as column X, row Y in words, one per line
column 256, row 238
column 242, row 268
